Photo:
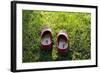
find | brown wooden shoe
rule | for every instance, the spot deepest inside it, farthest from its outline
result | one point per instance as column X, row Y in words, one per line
column 46, row 39
column 62, row 42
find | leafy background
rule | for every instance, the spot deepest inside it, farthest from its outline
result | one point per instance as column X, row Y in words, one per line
column 77, row 25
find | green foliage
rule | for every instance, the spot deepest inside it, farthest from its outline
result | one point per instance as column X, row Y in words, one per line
column 77, row 25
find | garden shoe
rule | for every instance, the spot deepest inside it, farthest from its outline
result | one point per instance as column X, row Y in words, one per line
column 46, row 38
column 62, row 42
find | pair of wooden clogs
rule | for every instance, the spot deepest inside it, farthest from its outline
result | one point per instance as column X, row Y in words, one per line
column 61, row 42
